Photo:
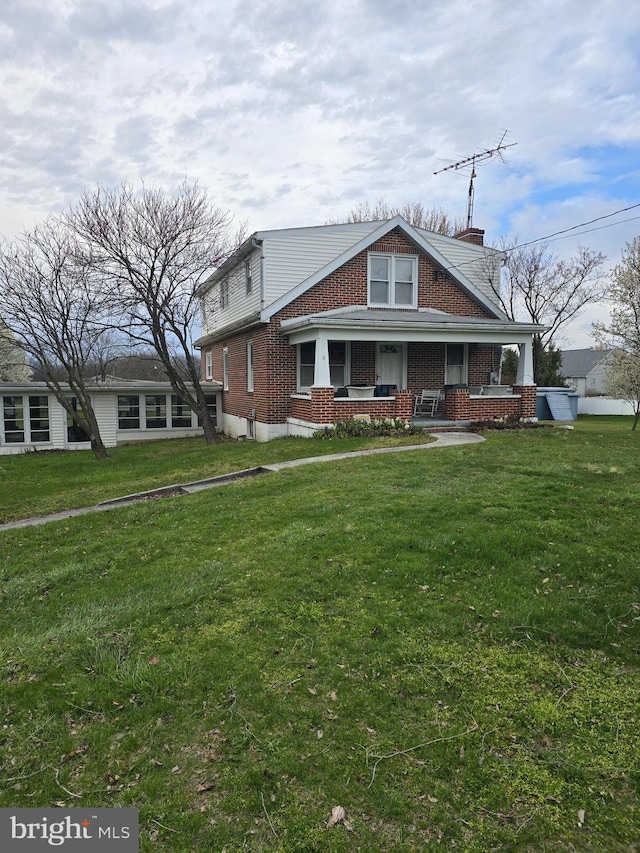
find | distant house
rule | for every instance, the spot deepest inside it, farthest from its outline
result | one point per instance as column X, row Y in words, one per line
column 585, row 370
column 304, row 327
column 31, row 418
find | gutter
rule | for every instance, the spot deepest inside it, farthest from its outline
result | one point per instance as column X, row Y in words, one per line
column 239, row 326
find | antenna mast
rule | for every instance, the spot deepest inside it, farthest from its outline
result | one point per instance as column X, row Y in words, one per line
column 488, row 154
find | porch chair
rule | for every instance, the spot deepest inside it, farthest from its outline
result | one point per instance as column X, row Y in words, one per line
column 426, row 402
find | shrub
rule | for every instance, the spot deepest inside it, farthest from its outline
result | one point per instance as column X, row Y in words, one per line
column 509, row 422
column 350, row 428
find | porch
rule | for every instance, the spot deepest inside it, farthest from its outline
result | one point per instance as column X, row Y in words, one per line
column 346, row 358
column 322, row 406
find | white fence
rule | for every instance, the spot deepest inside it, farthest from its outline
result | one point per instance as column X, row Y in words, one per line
column 604, row 406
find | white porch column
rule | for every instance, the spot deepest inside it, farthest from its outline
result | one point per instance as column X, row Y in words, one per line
column 525, row 363
column 322, row 374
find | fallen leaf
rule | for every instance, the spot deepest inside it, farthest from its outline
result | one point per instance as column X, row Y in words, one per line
column 581, row 816
column 319, row 734
column 313, row 690
column 333, row 696
column 339, row 815
column 154, row 660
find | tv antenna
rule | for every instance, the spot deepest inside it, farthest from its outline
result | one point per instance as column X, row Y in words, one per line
column 479, row 157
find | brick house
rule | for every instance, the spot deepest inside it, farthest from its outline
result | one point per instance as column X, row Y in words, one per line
column 303, row 327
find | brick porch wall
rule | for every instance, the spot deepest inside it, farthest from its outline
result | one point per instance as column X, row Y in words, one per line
column 460, row 407
column 321, row 407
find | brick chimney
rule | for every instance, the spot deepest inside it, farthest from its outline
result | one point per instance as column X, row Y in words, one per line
column 471, row 235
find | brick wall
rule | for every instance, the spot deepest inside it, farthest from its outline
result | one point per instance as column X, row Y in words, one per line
column 459, row 406
column 322, row 407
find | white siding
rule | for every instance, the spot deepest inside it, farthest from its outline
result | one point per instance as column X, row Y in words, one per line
column 106, row 409
column 241, row 304
column 57, row 423
column 292, row 257
column 477, row 263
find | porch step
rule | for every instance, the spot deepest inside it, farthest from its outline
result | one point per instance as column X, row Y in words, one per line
column 460, row 426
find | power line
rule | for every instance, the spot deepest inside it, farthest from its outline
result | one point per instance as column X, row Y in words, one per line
column 575, row 227
column 558, row 235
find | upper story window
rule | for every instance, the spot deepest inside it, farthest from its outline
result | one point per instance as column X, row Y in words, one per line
column 247, row 275
column 393, row 281
column 224, row 293
column 208, row 365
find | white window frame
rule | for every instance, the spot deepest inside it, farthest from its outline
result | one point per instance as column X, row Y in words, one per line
column 347, row 365
column 224, row 294
column 250, row 366
column 248, row 275
column 465, row 365
column 208, row 365
column 392, row 259
column 225, row 369
column 27, row 408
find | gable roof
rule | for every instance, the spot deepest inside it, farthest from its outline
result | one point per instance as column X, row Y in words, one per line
column 421, row 239
column 580, row 362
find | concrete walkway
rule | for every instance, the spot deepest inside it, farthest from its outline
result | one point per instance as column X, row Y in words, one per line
column 444, row 439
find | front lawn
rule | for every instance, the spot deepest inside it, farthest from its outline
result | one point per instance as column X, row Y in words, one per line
column 445, row 643
column 45, row 482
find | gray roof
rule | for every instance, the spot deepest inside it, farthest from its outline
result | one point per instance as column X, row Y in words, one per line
column 580, row 362
column 358, row 315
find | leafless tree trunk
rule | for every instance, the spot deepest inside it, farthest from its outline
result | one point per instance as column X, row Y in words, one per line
column 538, row 287
column 52, row 303
column 156, row 250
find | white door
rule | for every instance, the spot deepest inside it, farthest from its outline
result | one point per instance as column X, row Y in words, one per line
column 390, row 365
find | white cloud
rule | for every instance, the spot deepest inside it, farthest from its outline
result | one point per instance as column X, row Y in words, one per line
column 292, row 111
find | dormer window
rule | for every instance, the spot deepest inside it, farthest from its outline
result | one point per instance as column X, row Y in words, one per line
column 393, row 281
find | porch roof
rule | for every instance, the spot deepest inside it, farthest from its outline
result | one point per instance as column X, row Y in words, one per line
column 357, row 322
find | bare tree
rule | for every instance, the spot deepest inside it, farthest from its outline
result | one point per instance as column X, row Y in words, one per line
column 14, row 366
column 623, row 332
column 414, row 212
column 51, row 301
column 539, row 287
column 156, row 249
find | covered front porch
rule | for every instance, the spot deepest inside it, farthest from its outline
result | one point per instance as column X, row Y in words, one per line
column 376, row 363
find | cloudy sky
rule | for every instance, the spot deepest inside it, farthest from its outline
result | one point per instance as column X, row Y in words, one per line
column 291, row 112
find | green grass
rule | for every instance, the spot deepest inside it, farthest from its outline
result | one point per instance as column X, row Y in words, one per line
column 444, row 642
column 45, row 482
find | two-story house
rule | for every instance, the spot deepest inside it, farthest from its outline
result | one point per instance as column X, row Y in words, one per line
column 303, row 327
